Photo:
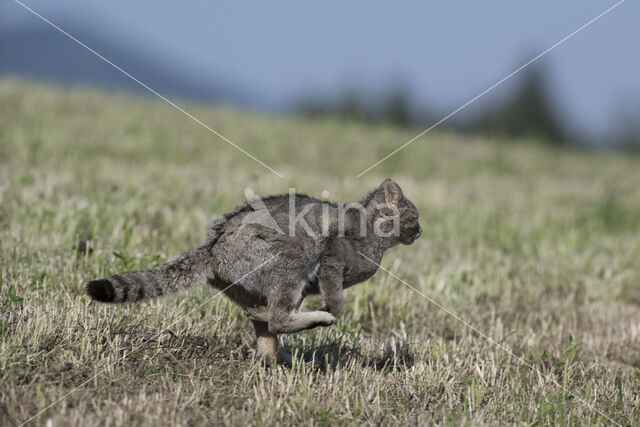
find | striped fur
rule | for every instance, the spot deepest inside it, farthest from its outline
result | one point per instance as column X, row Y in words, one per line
column 183, row 273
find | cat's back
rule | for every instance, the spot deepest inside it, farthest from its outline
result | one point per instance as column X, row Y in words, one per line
column 260, row 230
column 281, row 212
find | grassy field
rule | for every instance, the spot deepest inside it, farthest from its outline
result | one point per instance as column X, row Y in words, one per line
column 539, row 248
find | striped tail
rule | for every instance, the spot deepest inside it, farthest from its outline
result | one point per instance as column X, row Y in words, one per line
column 178, row 275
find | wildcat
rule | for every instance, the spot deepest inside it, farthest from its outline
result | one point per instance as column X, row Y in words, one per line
column 268, row 255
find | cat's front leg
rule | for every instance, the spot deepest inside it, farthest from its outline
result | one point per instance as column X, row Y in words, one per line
column 330, row 283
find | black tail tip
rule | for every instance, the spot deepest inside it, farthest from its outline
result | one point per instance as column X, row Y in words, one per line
column 101, row 290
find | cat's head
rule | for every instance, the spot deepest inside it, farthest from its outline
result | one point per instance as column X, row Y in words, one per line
column 395, row 210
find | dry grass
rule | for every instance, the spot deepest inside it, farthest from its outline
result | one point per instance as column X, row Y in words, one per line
column 538, row 248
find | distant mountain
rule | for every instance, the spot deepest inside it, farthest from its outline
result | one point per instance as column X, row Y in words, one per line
column 46, row 54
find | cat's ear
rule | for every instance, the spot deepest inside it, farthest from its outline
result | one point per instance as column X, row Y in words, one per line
column 392, row 192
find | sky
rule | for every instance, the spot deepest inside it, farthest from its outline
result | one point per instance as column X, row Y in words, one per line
column 445, row 52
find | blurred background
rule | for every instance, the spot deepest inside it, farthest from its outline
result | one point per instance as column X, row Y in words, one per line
column 408, row 64
column 528, row 201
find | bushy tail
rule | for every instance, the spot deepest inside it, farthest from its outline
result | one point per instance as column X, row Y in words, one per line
column 180, row 274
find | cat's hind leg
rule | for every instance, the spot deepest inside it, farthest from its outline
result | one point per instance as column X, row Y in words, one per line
column 283, row 317
column 292, row 322
column 259, row 313
column 267, row 343
column 298, row 321
column 268, row 348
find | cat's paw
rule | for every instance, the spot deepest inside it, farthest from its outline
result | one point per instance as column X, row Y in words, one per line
column 333, row 310
column 259, row 313
column 325, row 318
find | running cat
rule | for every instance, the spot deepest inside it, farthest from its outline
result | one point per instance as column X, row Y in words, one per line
column 270, row 253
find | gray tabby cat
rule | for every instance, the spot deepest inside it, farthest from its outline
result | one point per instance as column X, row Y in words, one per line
column 268, row 271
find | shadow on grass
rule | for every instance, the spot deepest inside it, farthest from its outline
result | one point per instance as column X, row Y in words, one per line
column 393, row 355
column 178, row 348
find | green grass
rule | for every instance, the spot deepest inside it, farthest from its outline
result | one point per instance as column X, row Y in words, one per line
column 537, row 247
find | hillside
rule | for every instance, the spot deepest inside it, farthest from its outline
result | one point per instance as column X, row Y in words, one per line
column 43, row 53
column 537, row 247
